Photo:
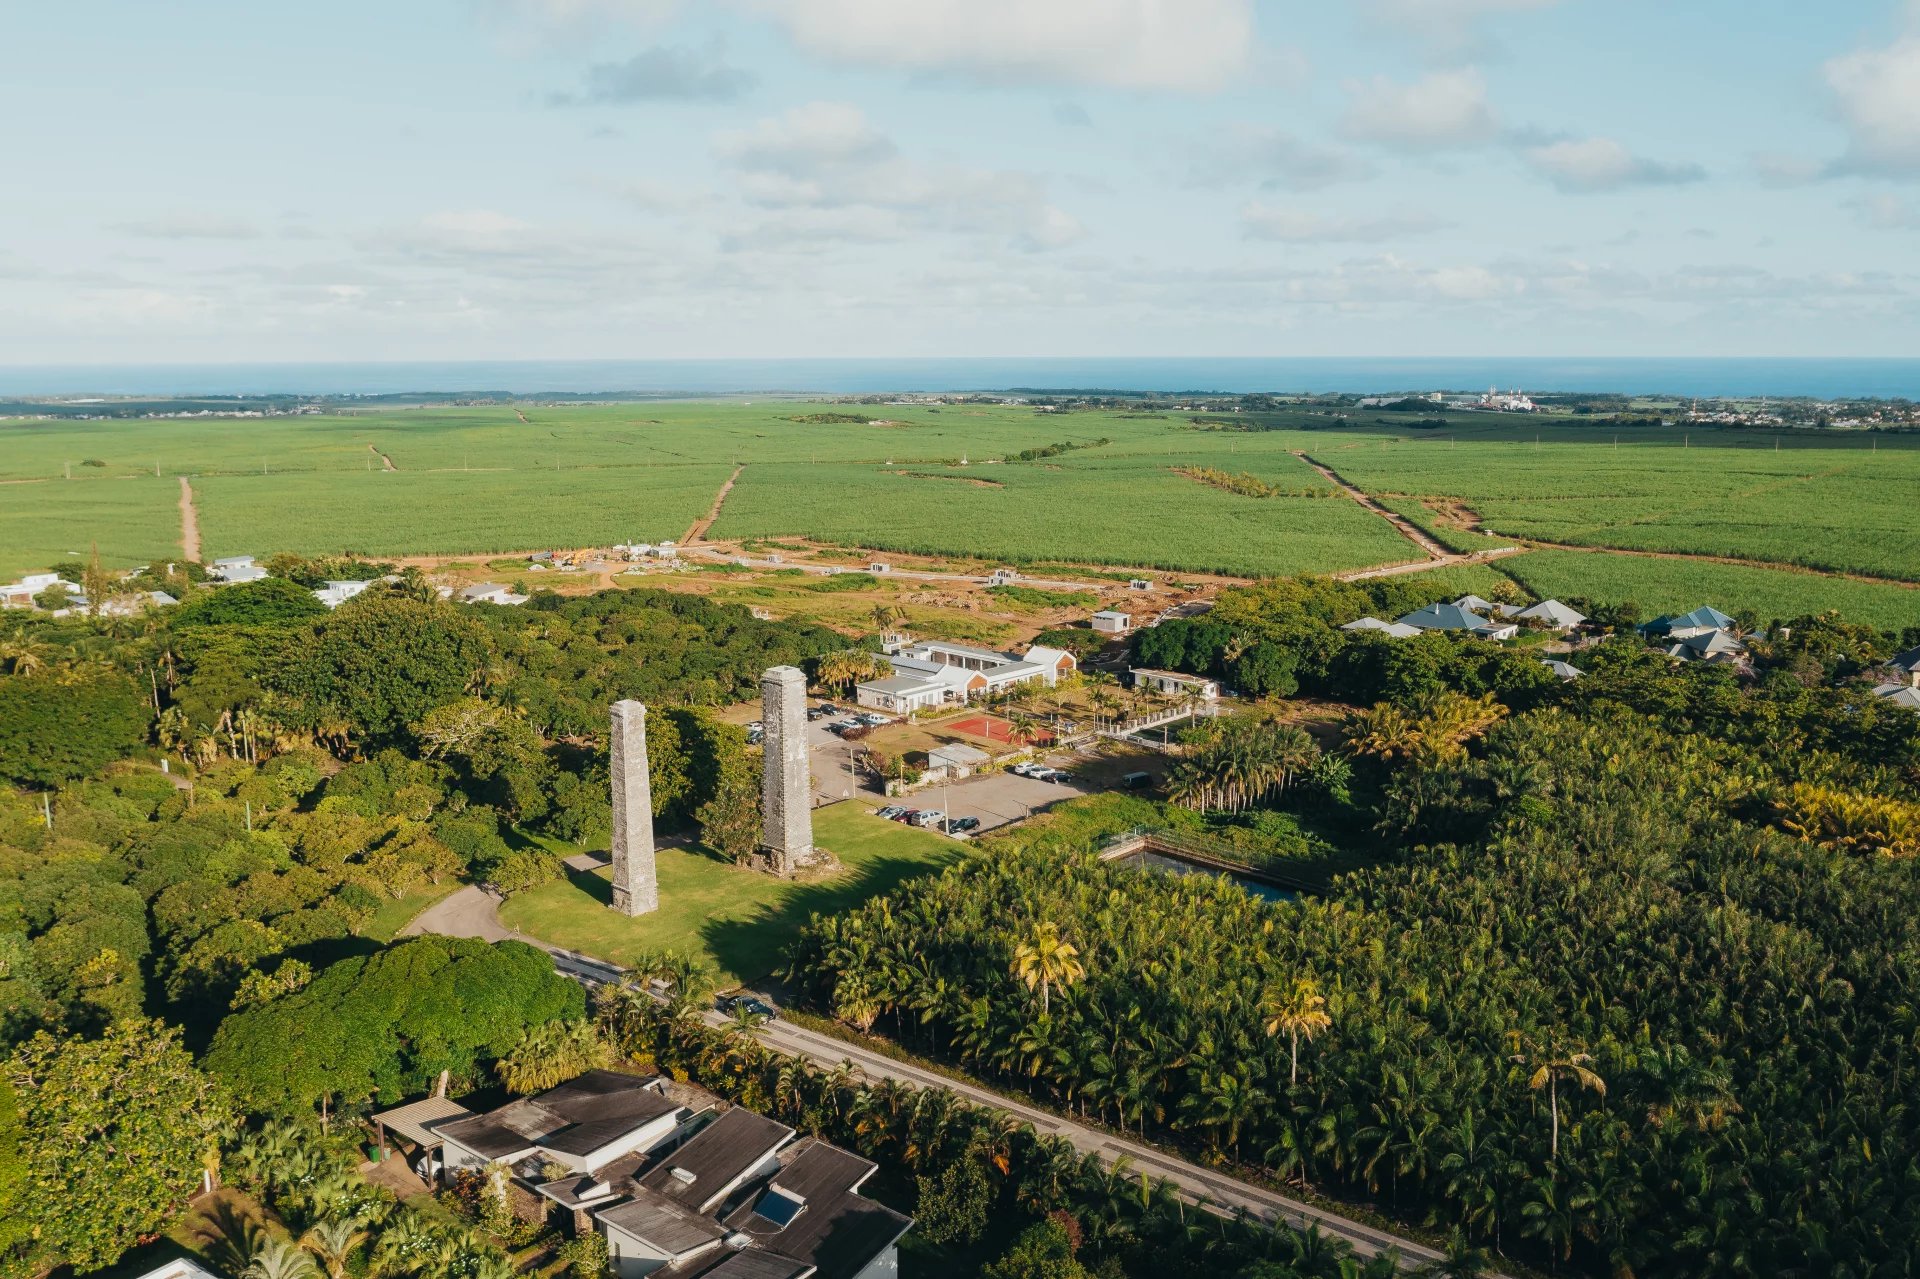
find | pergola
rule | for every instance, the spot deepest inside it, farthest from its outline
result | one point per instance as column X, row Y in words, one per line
column 416, row 1120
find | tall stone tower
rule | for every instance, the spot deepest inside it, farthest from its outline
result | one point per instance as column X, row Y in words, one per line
column 786, row 781
column 636, row 885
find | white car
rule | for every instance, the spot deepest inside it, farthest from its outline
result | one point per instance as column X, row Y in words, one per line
column 1027, row 768
column 930, row 817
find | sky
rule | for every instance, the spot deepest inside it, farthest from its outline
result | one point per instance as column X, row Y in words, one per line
column 652, row 179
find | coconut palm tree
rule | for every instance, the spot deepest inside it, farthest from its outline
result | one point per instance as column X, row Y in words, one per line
column 1047, row 960
column 332, row 1241
column 1300, row 1011
column 550, row 1054
column 280, row 1259
column 1552, row 1064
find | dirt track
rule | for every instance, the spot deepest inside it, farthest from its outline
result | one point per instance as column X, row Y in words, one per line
column 189, row 523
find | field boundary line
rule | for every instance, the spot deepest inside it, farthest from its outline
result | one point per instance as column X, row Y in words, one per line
column 189, row 523
column 698, row 529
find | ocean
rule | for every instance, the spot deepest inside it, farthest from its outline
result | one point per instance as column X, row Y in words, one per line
column 1819, row 378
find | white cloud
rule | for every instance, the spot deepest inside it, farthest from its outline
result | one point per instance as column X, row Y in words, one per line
column 1448, row 27
column 1878, row 95
column 1445, row 109
column 1303, row 226
column 828, row 155
column 190, row 226
column 1185, row 45
column 659, row 74
column 1885, row 212
column 1272, row 158
column 1601, row 164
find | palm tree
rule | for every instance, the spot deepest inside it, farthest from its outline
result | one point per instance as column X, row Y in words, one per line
column 333, row 1241
column 1047, row 960
column 849, row 666
column 1551, row 1065
column 280, row 1259
column 1384, row 732
column 550, row 1054
column 24, row 657
column 1300, row 1011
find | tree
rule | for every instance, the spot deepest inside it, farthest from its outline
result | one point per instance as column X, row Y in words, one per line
column 1299, row 1011
column 549, row 1054
column 279, row 1259
column 116, row 1134
column 952, row 1207
column 730, row 819
column 332, row 1241
column 271, row 601
column 1552, row 1064
column 51, row 733
column 1043, row 1251
column 849, row 666
column 390, row 1021
column 1046, row 959
column 384, row 662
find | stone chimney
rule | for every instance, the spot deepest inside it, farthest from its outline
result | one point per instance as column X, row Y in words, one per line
column 636, row 885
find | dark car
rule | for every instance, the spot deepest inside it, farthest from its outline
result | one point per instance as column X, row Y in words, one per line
column 828, row 708
column 961, row 825
column 911, row 816
column 748, row 1006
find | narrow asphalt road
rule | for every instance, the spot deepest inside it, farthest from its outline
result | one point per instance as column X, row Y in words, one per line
column 472, row 912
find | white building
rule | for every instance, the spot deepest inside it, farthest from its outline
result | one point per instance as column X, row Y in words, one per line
column 489, row 593
column 21, row 594
column 235, row 568
column 334, row 594
column 1175, row 683
column 931, row 673
column 1111, row 621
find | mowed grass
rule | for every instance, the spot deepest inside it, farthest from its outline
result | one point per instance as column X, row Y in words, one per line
column 133, row 521
column 1081, row 506
column 449, row 512
column 739, row 921
column 1840, row 503
column 1660, row 585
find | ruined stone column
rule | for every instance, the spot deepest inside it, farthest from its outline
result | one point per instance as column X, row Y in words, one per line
column 636, row 886
column 786, row 781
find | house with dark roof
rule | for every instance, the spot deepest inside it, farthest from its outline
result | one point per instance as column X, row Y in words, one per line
column 584, row 1125
column 682, row 1184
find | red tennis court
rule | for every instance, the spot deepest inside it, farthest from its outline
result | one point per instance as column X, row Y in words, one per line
column 994, row 729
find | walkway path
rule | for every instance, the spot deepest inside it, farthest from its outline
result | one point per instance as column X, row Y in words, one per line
column 698, row 529
column 189, row 523
column 472, row 912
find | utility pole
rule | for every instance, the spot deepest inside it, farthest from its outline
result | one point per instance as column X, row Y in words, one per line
column 46, row 807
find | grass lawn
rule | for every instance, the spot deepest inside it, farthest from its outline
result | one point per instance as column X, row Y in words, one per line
column 391, row 916
column 738, row 920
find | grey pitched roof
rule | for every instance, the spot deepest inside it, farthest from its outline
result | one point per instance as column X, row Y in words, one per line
column 1399, row 630
column 1444, row 617
column 837, row 1230
column 717, row 1156
column 575, row 1118
column 1900, row 695
column 1474, row 604
column 500, row 1134
column 1907, row 661
column 668, row 1226
column 1554, row 613
column 1565, row 670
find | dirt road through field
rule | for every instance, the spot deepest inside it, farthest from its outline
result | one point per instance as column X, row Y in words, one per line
column 189, row 523
column 698, row 529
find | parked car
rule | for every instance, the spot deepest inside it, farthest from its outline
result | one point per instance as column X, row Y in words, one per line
column 962, row 825
column 1058, row 776
column 817, row 712
column 756, row 726
column 828, row 708
column 1027, row 768
column 752, row 1007
column 911, row 816
column 890, row 812
column 874, row 720
column 929, row 817
column 1136, row 781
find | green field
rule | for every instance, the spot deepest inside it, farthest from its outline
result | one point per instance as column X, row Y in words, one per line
column 133, row 520
column 1660, row 585
column 739, row 921
column 1831, row 503
column 481, row 480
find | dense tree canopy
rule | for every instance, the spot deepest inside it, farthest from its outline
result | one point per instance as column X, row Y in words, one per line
column 390, row 1022
column 114, row 1134
column 52, row 731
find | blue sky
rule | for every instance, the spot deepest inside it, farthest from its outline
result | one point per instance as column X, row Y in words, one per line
column 491, row 179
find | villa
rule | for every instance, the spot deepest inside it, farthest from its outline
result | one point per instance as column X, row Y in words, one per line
column 680, row 1183
column 234, row 569
column 1455, row 617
